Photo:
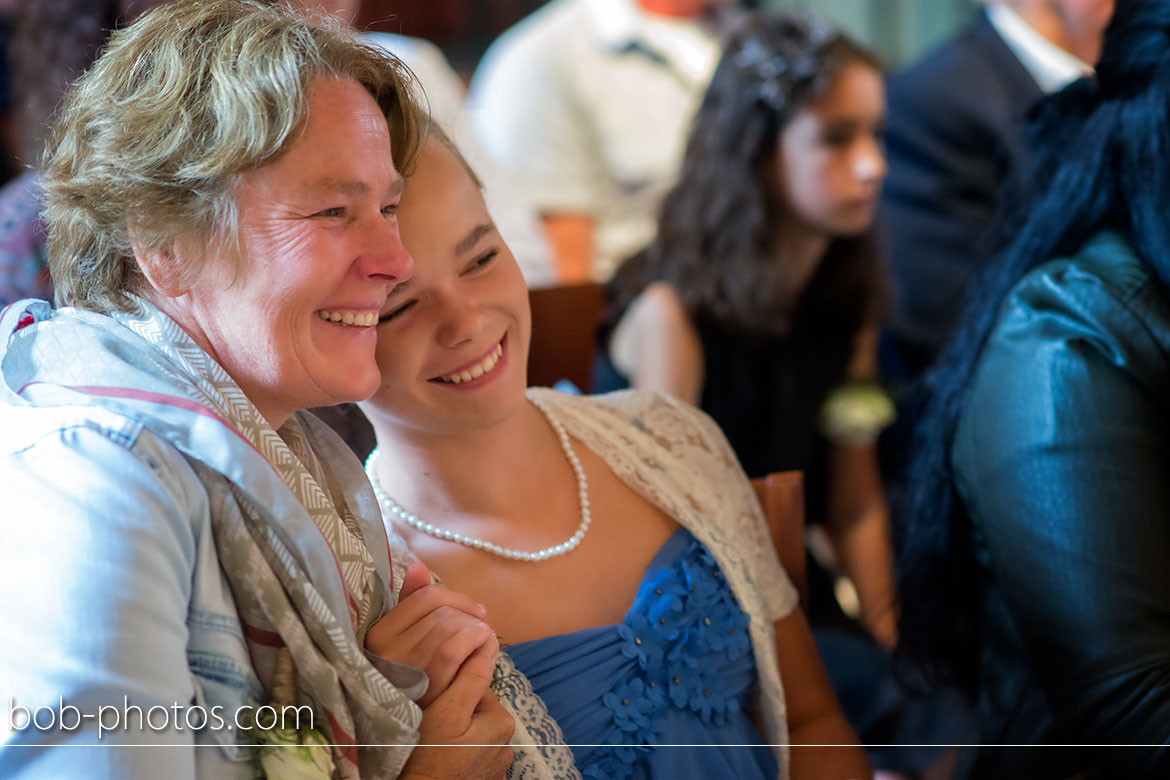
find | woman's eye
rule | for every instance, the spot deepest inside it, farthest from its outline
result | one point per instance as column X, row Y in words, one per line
column 336, row 211
column 390, row 211
column 394, row 313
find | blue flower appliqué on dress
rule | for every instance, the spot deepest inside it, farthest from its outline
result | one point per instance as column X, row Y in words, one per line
column 678, row 670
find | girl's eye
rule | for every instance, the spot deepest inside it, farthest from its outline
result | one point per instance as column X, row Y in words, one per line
column 838, row 140
column 391, row 210
column 394, row 313
column 485, row 260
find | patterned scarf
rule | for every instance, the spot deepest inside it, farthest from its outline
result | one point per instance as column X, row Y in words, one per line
column 281, row 609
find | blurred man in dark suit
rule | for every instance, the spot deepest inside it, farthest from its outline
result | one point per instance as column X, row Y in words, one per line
column 954, row 135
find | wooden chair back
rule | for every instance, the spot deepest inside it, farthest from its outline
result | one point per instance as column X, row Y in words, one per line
column 564, row 341
column 781, row 495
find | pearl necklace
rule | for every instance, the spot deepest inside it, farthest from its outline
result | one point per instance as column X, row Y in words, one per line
column 391, row 506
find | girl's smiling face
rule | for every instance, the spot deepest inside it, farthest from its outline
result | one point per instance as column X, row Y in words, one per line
column 453, row 341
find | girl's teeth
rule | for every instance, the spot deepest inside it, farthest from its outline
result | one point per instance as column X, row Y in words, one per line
column 478, row 370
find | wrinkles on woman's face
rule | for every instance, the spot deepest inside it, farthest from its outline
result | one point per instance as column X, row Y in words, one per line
column 289, row 311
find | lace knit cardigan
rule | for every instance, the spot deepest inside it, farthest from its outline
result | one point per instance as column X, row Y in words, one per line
column 677, row 458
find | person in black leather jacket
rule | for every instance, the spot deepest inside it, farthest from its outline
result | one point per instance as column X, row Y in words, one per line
column 1034, row 548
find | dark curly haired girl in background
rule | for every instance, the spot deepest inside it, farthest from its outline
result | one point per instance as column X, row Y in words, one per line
column 759, row 302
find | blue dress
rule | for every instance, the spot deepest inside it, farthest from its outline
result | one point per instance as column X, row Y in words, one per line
column 678, row 670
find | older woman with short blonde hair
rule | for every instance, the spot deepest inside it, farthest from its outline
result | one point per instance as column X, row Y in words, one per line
column 191, row 547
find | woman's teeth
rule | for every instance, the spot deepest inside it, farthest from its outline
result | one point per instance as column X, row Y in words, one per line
column 359, row 319
column 478, row 370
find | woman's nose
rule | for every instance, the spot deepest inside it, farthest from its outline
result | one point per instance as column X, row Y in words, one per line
column 382, row 255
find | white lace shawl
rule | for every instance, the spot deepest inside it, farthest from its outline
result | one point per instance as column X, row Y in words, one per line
column 678, row 459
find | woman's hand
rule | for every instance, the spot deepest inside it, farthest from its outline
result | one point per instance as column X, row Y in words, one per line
column 465, row 732
column 433, row 629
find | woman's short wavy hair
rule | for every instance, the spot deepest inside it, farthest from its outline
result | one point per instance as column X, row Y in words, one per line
column 153, row 138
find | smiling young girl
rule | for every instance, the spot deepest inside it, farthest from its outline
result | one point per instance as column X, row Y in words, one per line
column 615, row 543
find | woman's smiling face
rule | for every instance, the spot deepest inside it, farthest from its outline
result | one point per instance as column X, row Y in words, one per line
column 453, row 341
column 289, row 310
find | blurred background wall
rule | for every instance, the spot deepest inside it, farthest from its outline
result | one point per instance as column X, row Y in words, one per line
column 899, row 30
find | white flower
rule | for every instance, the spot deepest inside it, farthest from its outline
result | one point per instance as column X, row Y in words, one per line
column 855, row 413
column 288, row 754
